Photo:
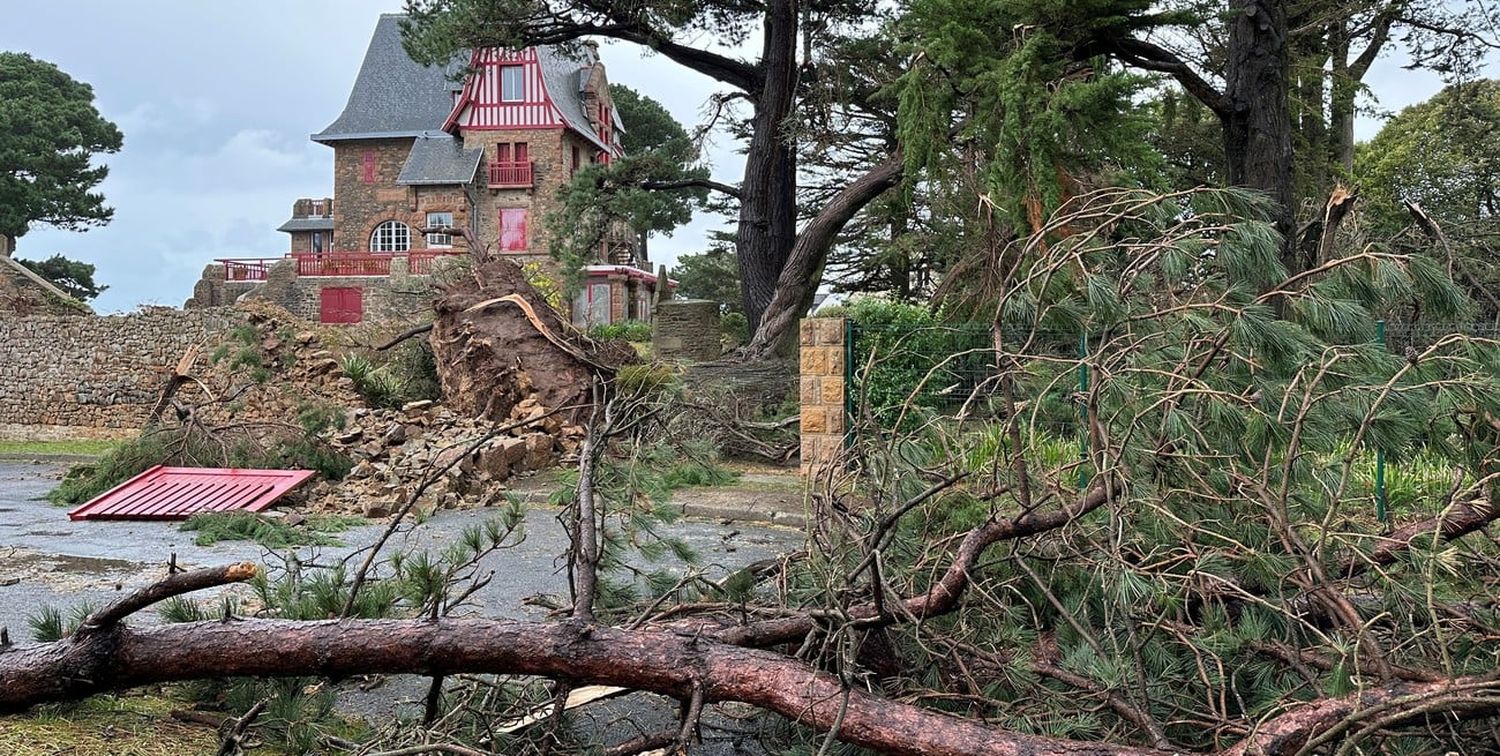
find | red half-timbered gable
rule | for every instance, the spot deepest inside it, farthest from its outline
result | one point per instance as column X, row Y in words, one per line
column 489, row 99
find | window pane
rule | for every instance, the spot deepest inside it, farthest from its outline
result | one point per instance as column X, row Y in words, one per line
column 443, row 220
column 513, row 230
column 512, row 86
column 391, row 236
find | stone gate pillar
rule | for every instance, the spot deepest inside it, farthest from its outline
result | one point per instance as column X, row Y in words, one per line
column 821, row 389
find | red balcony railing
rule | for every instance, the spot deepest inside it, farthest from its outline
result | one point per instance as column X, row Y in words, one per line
column 510, row 175
column 421, row 263
column 418, row 263
column 254, row 269
column 343, row 264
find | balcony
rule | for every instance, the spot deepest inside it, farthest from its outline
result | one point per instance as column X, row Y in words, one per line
column 342, row 264
column 510, row 175
column 418, row 263
column 248, row 269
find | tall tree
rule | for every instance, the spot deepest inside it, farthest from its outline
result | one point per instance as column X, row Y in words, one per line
column 788, row 34
column 49, row 133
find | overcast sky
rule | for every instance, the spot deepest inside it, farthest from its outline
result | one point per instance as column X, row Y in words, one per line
column 217, row 100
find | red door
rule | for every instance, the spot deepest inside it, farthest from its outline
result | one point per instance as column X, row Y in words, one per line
column 341, row 305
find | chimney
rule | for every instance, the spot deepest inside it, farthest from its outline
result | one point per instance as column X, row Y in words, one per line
column 7, row 245
column 593, row 50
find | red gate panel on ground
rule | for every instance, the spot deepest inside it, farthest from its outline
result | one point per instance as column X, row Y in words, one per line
column 176, row 493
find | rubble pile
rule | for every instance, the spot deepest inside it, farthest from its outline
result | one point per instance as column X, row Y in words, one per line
column 396, row 451
column 273, row 369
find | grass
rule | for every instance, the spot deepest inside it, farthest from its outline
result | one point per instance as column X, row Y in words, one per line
column 68, row 448
column 128, row 725
column 269, row 532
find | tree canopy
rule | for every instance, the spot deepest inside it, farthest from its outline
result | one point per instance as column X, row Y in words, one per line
column 74, row 277
column 652, row 189
column 50, row 132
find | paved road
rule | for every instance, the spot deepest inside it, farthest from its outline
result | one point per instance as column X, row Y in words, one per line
column 47, row 559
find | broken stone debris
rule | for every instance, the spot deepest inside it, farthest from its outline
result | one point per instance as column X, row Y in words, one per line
column 395, row 451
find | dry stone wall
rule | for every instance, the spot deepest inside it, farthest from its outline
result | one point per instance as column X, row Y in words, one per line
column 67, row 377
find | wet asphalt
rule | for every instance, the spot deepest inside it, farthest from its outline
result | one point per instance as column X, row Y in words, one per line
column 48, row 560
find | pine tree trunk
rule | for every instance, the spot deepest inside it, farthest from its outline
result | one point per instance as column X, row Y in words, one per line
column 1258, row 126
column 768, row 196
column 1341, row 112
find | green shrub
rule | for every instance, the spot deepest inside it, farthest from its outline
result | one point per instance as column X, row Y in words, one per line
column 375, row 383
column 904, row 353
column 408, row 375
column 627, row 330
column 735, row 327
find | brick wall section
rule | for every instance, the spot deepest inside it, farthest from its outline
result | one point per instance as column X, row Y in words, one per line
column 364, row 205
column 93, row 377
column 821, row 388
column 687, row 329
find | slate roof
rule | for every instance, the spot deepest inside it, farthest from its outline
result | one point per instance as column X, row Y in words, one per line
column 438, row 158
column 306, row 224
column 564, row 76
column 393, row 96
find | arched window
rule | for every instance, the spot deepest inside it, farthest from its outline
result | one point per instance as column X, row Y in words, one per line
column 391, row 236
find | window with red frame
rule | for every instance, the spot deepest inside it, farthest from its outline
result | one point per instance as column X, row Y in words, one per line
column 507, row 154
column 367, row 166
column 513, row 229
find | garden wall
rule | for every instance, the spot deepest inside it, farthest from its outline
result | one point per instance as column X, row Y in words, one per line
column 65, row 377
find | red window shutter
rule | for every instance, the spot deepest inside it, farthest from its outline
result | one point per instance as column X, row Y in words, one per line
column 521, row 153
column 502, row 153
column 367, row 166
column 513, row 229
column 337, row 304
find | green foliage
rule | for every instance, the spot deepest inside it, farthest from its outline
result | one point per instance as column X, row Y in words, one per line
column 713, row 275
column 622, row 202
column 406, row 375
column 628, row 330
column 50, row 624
column 270, row 532
column 1242, row 435
column 75, row 278
column 1005, row 71
column 379, row 386
column 49, row 133
column 125, row 461
column 1440, row 154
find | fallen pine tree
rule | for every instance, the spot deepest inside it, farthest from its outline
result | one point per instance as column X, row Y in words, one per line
column 1182, row 557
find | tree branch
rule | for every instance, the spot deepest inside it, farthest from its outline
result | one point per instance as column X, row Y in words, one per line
column 648, row 660
column 173, row 585
column 717, row 186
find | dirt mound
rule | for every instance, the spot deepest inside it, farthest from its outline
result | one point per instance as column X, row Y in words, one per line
column 497, row 344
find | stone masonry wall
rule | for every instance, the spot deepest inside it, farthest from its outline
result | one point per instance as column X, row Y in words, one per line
column 821, row 390
column 547, row 153
column 687, row 329
column 93, row 377
column 364, row 205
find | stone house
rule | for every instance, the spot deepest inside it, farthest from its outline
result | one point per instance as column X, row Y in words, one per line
column 425, row 147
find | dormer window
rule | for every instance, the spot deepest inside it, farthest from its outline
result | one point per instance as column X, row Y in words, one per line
column 512, row 83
